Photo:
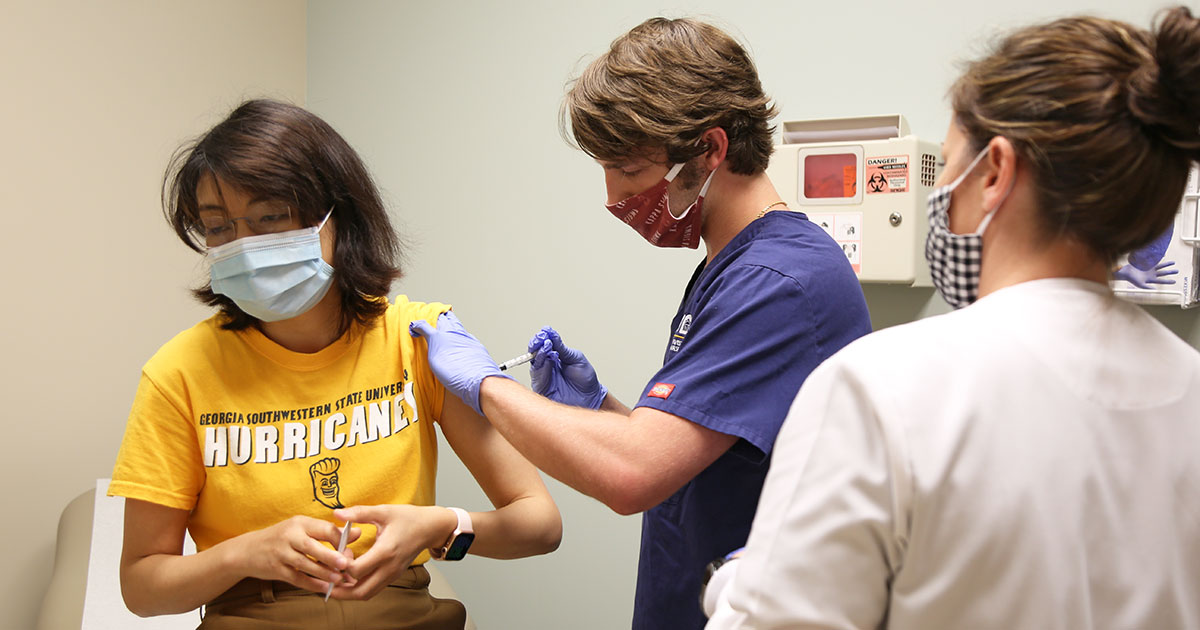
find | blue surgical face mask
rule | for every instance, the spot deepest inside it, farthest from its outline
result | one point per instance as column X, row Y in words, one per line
column 272, row 276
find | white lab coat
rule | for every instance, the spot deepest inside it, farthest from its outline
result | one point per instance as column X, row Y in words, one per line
column 1029, row 462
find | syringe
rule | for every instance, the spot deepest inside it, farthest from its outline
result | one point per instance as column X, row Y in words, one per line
column 514, row 362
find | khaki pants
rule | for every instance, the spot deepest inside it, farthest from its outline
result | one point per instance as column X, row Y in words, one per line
column 404, row 605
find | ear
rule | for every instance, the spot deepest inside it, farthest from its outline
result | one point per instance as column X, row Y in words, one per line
column 1001, row 173
column 328, row 236
column 717, row 144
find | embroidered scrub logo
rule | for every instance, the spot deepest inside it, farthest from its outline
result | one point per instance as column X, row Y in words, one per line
column 661, row 390
column 685, row 324
column 325, row 482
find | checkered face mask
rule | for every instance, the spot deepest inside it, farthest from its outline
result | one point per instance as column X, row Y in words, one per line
column 954, row 259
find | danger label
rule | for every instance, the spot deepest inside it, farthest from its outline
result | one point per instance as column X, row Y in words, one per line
column 887, row 174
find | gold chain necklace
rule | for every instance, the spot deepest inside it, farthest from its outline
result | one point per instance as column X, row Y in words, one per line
column 768, row 208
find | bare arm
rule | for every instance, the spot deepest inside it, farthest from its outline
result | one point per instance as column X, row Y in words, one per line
column 629, row 461
column 611, row 403
column 156, row 579
column 525, row 522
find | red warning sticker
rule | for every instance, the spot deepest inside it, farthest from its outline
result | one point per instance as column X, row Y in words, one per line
column 887, row 174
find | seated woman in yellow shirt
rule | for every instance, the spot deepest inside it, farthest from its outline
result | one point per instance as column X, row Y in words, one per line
column 304, row 394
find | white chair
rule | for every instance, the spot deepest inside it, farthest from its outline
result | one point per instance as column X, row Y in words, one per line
column 84, row 590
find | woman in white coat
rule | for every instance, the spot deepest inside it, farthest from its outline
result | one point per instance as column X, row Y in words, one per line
column 1031, row 460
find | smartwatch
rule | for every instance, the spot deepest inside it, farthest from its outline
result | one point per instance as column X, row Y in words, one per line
column 460, row 541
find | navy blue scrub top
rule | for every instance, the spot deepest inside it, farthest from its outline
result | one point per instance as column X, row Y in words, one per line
column 775, row 302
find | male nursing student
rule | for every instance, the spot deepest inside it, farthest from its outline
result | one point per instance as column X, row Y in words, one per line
column 676, row 116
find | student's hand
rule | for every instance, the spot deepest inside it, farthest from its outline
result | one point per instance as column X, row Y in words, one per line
column 291, row 551
column 458, row 360
column 1144, row 279
column 402, row 533
column 563, row 374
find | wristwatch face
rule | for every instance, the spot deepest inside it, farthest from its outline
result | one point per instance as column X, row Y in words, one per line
column 459, row 546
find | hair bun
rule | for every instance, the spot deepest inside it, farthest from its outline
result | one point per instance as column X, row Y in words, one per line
column 1164, row 92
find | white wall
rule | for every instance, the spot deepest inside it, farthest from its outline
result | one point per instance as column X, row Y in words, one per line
column 96, row 96
column 454, row 105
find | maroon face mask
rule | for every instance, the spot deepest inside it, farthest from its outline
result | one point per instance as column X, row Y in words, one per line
column 649, row 214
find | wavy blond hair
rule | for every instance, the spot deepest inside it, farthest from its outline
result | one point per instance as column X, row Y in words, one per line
column 662, row 85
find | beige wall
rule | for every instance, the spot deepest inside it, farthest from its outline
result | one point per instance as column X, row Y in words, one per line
column 94, row 97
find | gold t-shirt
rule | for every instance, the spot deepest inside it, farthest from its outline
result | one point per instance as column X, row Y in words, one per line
column 244, row 433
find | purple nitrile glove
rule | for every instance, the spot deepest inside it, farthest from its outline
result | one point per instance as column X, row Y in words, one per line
column 458, row 360
column 563, row 374
column 1144, row 279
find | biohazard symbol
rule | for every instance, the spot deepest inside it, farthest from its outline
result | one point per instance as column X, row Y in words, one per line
column 877, row 182
column 325, row 482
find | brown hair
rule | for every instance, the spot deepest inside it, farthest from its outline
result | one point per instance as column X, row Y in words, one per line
column 280, row 151
column 1106, row 116
column 662, row 85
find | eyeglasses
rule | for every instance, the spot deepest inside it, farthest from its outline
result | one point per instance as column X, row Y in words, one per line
column 263, row 217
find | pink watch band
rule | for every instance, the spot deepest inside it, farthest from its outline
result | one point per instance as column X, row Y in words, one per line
column 456, row 547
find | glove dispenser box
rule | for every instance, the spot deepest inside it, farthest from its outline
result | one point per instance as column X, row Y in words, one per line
column 1167, row 270
column 865, row 181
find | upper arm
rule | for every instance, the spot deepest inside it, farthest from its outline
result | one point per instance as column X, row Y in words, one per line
column 752, row 338
column 673, row 451
column 730, row 374
column 151, row 529
column 159, row 461
column 502, row 473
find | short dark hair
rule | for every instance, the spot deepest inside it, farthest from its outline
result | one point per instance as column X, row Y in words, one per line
column 281, row 151
column 662, row 85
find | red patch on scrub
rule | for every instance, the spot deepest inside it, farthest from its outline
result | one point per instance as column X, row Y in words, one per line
column 661, row 390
